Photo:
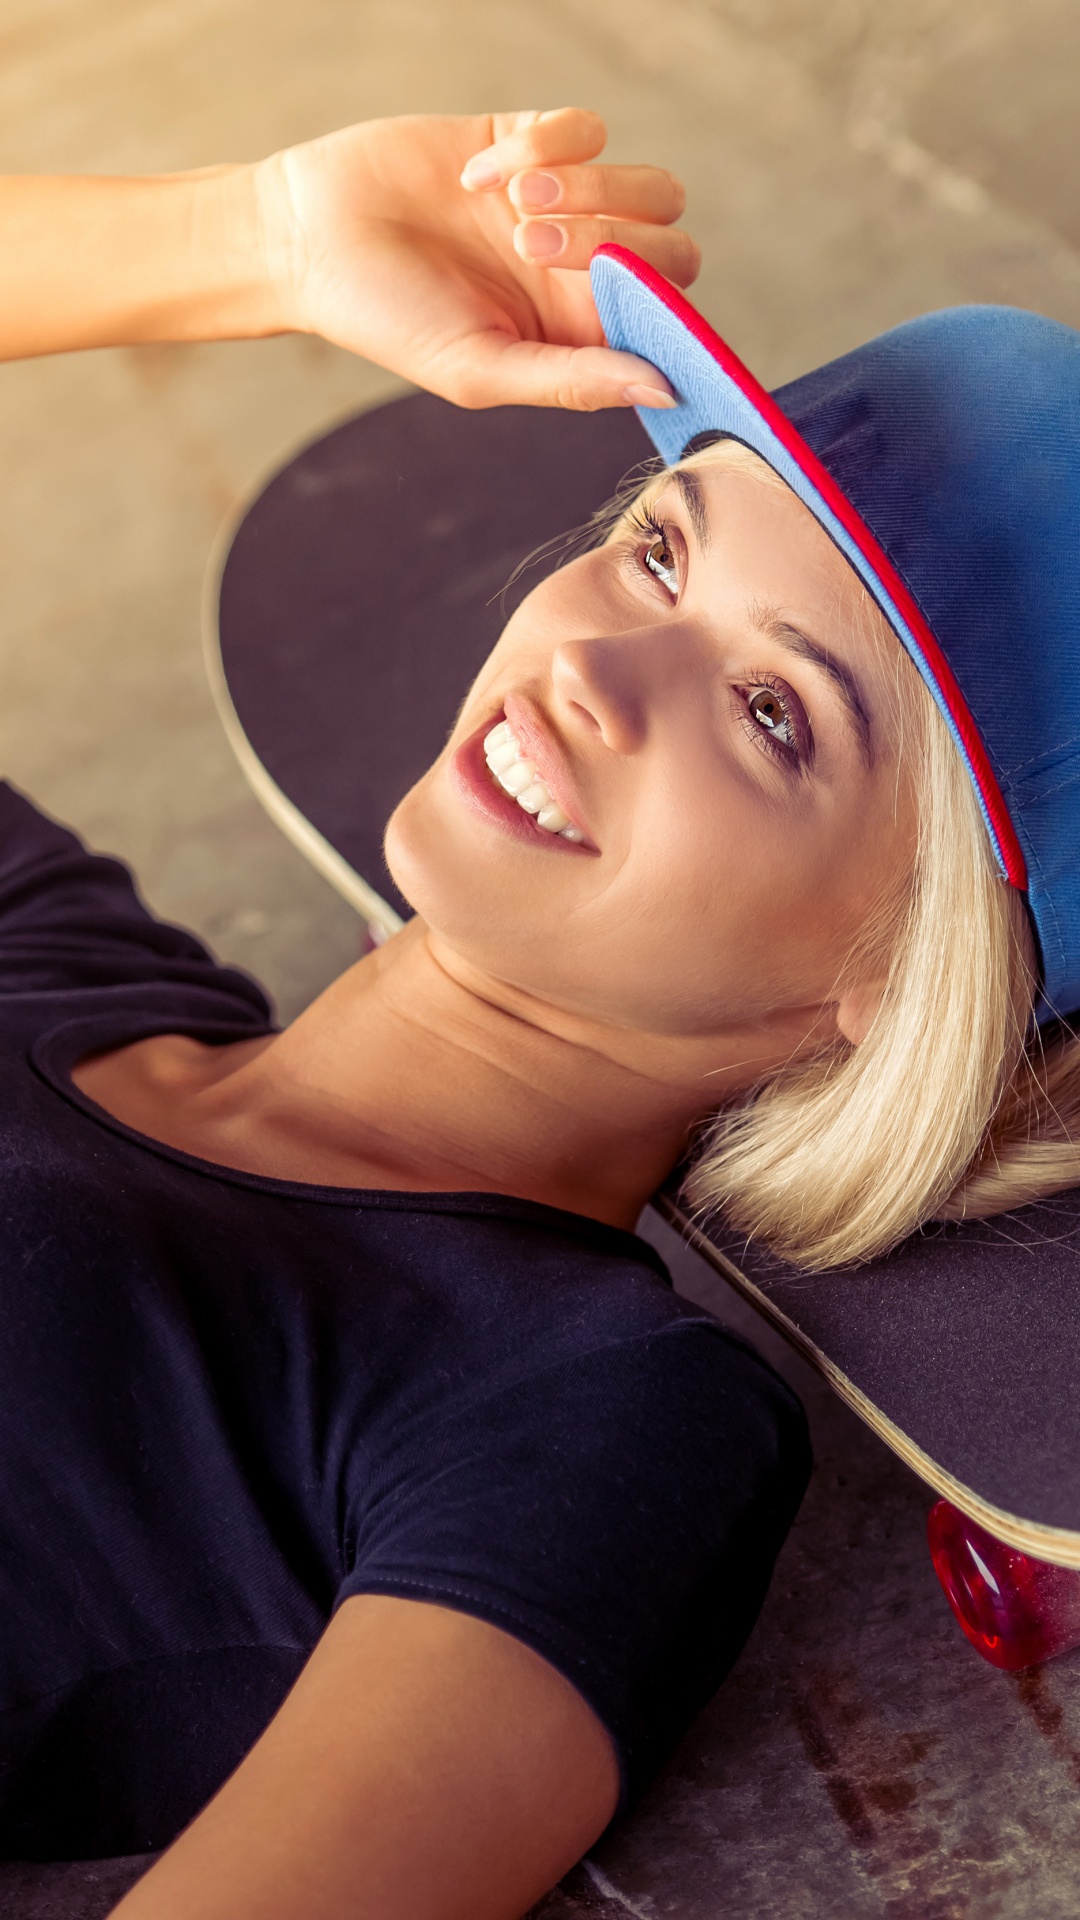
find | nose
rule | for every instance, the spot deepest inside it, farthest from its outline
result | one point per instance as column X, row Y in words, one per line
column 607, row 684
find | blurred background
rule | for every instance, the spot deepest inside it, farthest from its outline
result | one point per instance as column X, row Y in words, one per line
column 849, row 164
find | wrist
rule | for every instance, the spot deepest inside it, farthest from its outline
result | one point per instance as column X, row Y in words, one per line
column 280, row 243
column 234, row 277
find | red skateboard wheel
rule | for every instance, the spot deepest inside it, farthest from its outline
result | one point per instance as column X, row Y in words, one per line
column 1015, row 1610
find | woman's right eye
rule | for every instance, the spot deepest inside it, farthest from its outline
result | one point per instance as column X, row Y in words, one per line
column 660, row 561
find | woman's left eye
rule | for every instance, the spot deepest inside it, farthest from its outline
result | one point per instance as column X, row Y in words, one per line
column 660, row 561
column 768, row 712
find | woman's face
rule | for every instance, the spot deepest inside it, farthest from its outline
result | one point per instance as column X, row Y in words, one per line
column 711, row 702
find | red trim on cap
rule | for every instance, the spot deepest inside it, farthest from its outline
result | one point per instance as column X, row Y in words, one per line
column 851, row 521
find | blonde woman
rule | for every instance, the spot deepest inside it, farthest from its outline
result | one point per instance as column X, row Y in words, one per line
column 377, row 1517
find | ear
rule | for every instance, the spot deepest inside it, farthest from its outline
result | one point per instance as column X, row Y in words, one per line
column 858, row 1008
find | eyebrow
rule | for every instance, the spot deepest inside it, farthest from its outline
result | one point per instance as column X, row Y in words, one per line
column 694, row 501
column 770, row 621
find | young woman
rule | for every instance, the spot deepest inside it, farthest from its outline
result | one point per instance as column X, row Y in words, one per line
column 372, row 1505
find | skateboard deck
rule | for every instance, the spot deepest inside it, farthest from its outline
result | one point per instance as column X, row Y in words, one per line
column 348, row 607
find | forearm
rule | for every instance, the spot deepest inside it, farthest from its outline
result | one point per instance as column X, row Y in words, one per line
column 97, row 262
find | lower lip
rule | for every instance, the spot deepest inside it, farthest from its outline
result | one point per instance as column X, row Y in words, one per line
column 470, row 775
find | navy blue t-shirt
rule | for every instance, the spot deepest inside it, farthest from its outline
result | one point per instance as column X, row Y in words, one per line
column 228, row 1403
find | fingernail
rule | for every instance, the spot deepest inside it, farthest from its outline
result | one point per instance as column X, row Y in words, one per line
column 480, row 172
column 637, row 396
column 542, row 239
column 538, row 189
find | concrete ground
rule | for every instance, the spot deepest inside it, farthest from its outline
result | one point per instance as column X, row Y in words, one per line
column 849, row 165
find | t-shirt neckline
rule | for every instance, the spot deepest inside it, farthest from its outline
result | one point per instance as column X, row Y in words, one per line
column 54, row 1053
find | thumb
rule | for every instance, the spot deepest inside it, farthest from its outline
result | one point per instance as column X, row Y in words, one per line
column 493, row 369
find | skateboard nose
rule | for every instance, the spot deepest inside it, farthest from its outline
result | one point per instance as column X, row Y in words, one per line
column 1015, row 1610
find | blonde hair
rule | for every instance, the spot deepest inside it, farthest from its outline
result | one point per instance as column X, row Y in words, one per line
column 951, row 1107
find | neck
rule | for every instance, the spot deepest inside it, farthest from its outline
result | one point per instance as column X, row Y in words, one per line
column 436, row 1080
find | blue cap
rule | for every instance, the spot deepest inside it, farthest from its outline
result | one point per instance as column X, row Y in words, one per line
column 944, row 460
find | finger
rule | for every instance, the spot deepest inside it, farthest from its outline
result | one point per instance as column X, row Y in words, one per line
column 627, row 193
column 563, row 137
column 572, row 243
column 494, row 370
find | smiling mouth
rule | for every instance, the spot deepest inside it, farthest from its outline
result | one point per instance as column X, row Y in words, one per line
column 517, row 776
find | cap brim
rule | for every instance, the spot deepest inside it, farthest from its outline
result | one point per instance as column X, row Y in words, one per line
column 643, row 313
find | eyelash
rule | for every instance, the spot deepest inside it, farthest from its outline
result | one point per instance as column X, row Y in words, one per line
column 646, row 526
column 791, row 755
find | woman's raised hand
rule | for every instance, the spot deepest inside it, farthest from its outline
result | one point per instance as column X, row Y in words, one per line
column 451, row 250
column 454, row 251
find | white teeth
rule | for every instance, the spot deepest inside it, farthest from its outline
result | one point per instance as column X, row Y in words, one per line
column 552, row 818
column 517, row 777
column 534, row 798
column 502, row 755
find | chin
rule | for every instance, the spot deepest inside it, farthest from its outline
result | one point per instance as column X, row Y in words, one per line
column 446, row 880
column 402, row 857
column 463, row 892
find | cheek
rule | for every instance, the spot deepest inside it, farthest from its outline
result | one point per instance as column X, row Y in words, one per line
column 739, row 907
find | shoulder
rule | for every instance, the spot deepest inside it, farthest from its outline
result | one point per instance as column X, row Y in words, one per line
column 690, row 1365
column 526, row 1334
column 682, row 1412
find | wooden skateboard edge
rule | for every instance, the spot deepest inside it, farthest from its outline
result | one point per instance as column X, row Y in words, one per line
column 371, row 906
column 1060, row 1545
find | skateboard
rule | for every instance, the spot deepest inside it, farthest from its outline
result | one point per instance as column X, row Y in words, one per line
column 348, row 606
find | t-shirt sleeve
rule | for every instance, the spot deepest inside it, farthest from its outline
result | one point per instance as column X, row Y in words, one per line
column 70, row 918
column 620, row 1513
